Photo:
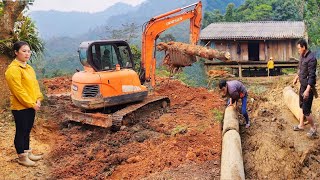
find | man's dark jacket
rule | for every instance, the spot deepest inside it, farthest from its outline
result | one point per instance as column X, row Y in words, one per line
column 307, row 69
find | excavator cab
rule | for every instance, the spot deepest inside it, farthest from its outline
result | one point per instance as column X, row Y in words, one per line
column 108, row 78
column 105, row 55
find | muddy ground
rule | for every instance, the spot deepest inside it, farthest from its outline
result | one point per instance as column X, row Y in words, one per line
column 184, row 143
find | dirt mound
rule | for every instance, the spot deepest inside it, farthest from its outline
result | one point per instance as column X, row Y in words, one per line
column 189, row 135
column 57, row 85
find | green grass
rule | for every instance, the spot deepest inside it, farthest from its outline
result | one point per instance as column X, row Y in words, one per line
column 193, row 76
column 257, row 89
column 180, row 129
column 217, row 114
column 162, row 72
column 185, row 79
column 289, row 71
column 182, row 76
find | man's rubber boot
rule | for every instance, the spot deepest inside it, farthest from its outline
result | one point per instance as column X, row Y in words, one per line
column 32, row 156
column 25, row 161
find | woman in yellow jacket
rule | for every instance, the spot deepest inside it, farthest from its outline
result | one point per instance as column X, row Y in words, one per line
column 25, row 100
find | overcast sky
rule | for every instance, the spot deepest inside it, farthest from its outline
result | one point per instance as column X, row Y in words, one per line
column 78, row 5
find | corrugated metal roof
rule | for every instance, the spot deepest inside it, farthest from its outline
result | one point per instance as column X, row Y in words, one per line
column 254, row 30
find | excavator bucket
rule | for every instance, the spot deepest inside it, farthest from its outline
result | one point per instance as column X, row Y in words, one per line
column 174, row 59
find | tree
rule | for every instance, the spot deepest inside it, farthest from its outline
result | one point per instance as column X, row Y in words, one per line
column 127, row 32
column 136, row 52
column 17, row 27
column 24, row 30
column 211, row 17
column 312, row 18
column 14, row 27
column 261, row 12
column 9, row 12
column 167, row 38
column 229, row 16
column 287, row 10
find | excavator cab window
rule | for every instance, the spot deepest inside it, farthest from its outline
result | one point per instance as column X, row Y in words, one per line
column 96, row 57
column 108, row 58
column 83, row 56
column 125, row 57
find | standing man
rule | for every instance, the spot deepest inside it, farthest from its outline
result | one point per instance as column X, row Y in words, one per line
column 307, row 77
column 236, row 90
column 270, row 65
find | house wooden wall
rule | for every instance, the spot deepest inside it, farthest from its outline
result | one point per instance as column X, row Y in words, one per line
column 280, row 50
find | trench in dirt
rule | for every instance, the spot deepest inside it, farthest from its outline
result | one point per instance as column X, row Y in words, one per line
column 271, row 149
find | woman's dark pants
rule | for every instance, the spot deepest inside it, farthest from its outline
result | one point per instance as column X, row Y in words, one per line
column 24, row 120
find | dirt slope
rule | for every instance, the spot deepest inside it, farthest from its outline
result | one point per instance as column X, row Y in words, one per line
column 185, row 142
column 271, row 149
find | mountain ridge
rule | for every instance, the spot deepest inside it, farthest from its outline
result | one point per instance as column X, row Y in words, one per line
column 74, row 23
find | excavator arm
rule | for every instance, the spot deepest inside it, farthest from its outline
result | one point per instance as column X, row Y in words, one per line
column 160, row 23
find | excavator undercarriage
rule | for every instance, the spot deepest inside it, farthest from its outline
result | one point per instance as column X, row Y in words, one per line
column 122, row 115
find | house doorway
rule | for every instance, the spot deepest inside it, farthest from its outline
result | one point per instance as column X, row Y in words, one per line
column 253, row 48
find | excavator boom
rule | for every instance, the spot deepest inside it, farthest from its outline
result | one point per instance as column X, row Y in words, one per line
column 162, row 22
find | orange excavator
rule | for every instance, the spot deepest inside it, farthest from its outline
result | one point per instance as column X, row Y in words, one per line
column 109, row 84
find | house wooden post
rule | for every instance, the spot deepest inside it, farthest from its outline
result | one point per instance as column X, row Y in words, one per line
column 240, row 71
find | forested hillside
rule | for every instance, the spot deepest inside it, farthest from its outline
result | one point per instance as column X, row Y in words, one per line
column 210, row 5
column 61, row 49
column 73, row 24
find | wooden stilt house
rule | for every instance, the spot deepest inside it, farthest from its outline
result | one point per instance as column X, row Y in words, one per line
column 255, row 41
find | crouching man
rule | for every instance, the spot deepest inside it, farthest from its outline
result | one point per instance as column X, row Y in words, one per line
column 235, row 90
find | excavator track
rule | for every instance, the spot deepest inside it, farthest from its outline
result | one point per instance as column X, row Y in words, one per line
column 152, row 106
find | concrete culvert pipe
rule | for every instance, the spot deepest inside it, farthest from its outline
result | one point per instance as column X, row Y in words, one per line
column 291, row 99
column 231, row 158
column 230, row 120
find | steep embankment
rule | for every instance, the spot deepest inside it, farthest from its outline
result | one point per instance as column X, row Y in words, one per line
column 4, row 92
